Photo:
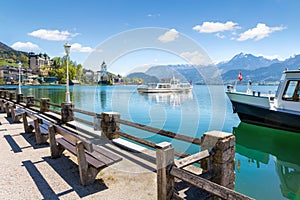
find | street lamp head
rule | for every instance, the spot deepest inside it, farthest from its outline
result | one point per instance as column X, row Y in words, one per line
column 67, row 48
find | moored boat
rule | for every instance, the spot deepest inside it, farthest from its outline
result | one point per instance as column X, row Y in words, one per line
column 281, row 110
column 173, row 86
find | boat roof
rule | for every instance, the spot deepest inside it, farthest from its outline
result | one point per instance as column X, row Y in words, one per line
column 292, row 71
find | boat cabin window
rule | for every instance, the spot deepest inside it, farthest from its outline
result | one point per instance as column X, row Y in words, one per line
column 292, row 91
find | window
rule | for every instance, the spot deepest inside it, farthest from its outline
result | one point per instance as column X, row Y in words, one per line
column 292, row 91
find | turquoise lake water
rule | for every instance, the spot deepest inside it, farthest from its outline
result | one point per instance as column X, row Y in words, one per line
column 267, row 160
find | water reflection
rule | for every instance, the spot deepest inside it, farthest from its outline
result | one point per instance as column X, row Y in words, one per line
column 259, row 143
column 171, row 99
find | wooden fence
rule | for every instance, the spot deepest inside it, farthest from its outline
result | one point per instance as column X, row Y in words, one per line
column 216, row 158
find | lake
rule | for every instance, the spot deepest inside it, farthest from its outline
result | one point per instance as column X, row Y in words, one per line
column 267, row 160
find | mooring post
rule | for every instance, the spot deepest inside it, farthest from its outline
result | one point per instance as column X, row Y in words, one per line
column 44, row 104
column 29, row 101
column 164, row 163
column 222, row 161
column 109, row 124
column 19, row 98
column 67, row 113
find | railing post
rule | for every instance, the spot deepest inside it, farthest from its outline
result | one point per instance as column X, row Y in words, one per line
column 44, row 104
column 19, row 98
column 11, row 96
column 67, row 113
column 109, row 125
column 97, row 122
column 222, row 160
column 4, row 94
column 29, row 101
column 164, row 163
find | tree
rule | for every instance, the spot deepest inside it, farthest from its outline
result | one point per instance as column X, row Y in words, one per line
column 79, row 72
column 57, row 62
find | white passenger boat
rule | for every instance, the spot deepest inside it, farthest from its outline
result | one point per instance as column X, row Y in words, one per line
column 281, row 110
column 173, row 86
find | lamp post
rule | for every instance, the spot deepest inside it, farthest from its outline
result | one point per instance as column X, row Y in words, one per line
column 20, row 65
column 67, row 50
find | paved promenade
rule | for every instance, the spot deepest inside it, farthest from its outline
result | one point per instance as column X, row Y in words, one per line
column 28, row 172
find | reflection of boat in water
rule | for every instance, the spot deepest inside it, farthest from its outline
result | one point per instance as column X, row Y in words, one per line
column 173, row 86
column 172, row 99
column 280, row 111
column 258, row 143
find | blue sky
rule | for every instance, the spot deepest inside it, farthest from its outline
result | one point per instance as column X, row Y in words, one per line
column 222, row 28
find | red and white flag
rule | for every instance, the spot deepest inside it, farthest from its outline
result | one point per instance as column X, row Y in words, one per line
column 240, row 77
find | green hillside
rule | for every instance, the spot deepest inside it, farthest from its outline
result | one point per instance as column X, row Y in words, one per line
column 9, row 56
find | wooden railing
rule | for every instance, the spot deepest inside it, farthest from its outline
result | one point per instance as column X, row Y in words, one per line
column 217, row 177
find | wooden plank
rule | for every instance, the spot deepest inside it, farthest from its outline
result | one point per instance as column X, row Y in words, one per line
column 139, row 140
column 207, row 185
column 84, row 112
column 74, row 137
column 192, row 159
column 99, row 156
column 44, row 130
column 161, row 132
column 107, row 153
column 83, row 121
column 54, row 104
column 31, row 115
column 70, row 147
column 19, row 111
column 164, row 161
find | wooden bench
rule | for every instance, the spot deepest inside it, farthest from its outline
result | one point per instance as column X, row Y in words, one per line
column 7, row 106
column 16, row 113
column 91, row 158
column 2, row 105
column 38, row 124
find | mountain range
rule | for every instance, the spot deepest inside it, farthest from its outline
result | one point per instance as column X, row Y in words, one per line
column 255, row 68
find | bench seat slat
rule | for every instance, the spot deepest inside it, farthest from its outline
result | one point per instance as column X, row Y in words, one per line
column 43, row 129
column 102, row 154
column 91, row 160
column 19, row 111
column 107, row 153
column 99, row 156
column 73, row 137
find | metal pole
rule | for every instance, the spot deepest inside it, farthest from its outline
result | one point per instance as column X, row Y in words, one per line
column 67, row 49
column 20, row 64
column 68, row 90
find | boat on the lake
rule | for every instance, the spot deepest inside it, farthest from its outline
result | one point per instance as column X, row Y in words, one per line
column 281, row 110
column 173, row 86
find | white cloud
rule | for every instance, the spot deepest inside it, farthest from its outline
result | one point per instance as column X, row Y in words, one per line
column 54, row 35
column 25, row 46
column 153, row 15
column 76, row 47
column 213, row 27
column 219, row 35
column 259, row 32
column 169, row 36
column 196, row 58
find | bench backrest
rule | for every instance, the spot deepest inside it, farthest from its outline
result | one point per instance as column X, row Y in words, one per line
column 73, row 137
column 31, row 116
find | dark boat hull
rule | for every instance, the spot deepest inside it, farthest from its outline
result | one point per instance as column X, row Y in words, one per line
column 266, row 117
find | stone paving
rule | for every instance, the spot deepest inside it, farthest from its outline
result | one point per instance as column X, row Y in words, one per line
column 28, row 172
